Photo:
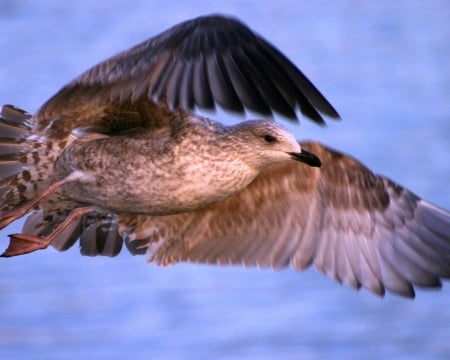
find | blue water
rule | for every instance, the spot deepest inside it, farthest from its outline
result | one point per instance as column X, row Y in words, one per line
column 385, row 65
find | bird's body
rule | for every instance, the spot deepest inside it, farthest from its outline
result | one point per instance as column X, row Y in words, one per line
column 166, row 172
column 119, row 156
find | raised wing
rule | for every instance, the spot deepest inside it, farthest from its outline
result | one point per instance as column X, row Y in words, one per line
column 198, row 63
column 358, row 228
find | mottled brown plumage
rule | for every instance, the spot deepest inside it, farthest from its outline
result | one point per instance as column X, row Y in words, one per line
column 116, row 156
column 132, row 96
column 167, row 170
column 359, row 228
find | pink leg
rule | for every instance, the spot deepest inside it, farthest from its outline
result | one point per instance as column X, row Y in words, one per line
column 23, row 243
column 9, row 216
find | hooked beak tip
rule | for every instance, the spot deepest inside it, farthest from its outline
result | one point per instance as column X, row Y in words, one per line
column 306, row 157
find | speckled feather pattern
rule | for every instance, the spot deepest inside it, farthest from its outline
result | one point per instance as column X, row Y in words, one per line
column 171, row 171
column 129, row 163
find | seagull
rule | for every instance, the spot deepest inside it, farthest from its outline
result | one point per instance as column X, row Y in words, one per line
column 119, row 157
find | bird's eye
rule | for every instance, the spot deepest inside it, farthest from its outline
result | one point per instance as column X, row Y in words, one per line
column 269, row 138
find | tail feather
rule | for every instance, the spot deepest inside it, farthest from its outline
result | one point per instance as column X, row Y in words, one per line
column 26, row 161
column 16, row 123
column 26, row 169
column 14, row 129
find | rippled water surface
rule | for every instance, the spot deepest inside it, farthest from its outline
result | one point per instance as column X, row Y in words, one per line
column 385, row 66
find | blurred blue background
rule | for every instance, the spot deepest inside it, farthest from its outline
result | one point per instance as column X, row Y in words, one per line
column 384, row 65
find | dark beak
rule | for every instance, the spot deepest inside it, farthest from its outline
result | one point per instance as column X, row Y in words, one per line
column 307, row 158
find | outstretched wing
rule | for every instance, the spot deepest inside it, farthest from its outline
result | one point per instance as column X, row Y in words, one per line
column 198, row 63
column 358, row 228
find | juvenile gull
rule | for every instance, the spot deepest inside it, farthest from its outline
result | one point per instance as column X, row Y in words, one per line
column 117, row 156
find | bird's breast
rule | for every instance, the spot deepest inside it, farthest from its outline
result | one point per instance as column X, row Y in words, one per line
column 153, row 184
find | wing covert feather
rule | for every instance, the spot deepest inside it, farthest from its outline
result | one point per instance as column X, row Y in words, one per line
column 359, row 228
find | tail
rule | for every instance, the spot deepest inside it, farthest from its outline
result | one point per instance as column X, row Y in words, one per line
column 26, row 169
column 26, row 161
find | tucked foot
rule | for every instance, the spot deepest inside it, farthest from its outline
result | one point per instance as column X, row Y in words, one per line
column 8, row 217
column 20, row 244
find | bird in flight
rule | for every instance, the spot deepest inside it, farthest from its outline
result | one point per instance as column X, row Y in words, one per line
column 118, row 156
